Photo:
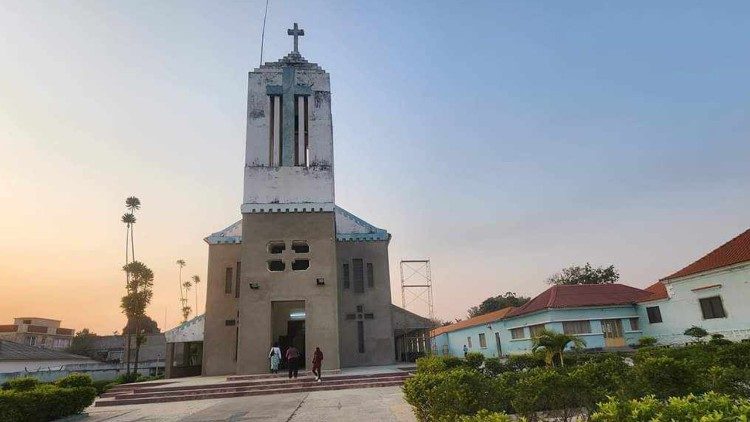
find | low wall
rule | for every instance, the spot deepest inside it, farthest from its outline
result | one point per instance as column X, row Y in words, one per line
column 97, row 371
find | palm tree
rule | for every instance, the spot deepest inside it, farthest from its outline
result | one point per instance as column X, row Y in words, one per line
column 181, row 264
column 554, row 343
column 129, row 220
column 132, row 204
column 196, row 282
column 136, row 300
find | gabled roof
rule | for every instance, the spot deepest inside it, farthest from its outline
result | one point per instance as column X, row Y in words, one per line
column 733, row 252
column 581, row 295
column 349, row 228
column 10, row 350
column 473, row 322
column 657, row 291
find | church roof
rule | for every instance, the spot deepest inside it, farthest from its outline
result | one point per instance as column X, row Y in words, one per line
column 581, row 295
column 294, row 59
column 733, row 252
column 349, row 228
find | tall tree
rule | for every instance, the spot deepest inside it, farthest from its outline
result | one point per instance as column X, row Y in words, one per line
column 186, row 307
column 576, row 274
column 132, row 204
column 129, row 220
column 196, row 282
column 183, row 300
column 146, row 325
column 496, row 303
column 81, row 343
column 554, row 344
column 134, row 303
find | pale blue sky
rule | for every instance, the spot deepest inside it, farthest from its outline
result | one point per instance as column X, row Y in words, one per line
column 504, row 140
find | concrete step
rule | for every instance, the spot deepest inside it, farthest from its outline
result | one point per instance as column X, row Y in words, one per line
column 281, row 374
column 144, row 388
column 231, row 388
column 306, row 387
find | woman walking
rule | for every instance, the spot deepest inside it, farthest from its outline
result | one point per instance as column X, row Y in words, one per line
column 317, row 361
column 275, row 356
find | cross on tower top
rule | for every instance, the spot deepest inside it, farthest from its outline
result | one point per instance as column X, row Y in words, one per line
column 296, row 32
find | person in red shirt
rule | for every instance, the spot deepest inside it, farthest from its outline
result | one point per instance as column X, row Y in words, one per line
column 317, row 361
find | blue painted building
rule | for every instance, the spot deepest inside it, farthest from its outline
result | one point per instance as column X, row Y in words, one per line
column 710, row 292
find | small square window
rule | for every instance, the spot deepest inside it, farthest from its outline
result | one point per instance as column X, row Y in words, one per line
column 299, row 246
column 635, row 324
column 300, row 264
column 536, row 330
column 276, row 247
column 229, row 323
column 276, row 265
column 517, row 333
column 712, row 307
column 654, row 314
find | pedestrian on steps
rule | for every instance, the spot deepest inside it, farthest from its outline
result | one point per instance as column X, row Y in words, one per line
column 275, row 356
column 317, row 361
column 292, row 360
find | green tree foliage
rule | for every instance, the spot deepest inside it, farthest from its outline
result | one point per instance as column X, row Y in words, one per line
column 139, row 294
column 707, row 407
column 496, row 303
column 576, row 274
column 553, row 344
column 696, row 332
column 145, row 323
column 81, row 343
column 646, row 341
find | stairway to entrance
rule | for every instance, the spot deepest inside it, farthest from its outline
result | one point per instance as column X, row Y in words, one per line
column 241, row 386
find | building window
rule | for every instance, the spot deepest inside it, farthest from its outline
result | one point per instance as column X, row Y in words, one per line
column 369, row 316
column 468, row 341
column 276, row 265
column 229, row 322
column 345, row 275
column 654, row 314
column 276, row 247
column 300, row 264
column 497, row 343
column 635, row 324
column 351, row 317
column 517, row 333
column 26, row 321
column 712, row 307
column 228, row 280
column 370, row 275
column 31, row 340
column 299, row 246
column 359, row 275
column 360, row 336
column 482, row 341
column 536, row 330
column 237, row 280
column 576, row 327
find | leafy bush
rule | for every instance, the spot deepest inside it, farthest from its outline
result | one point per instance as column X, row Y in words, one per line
column 493, row 367
column 448, row 395
column 486, row 416
column 102, row 386
column 525, row 361
column 23, row 383
column 707, row 407
column 597, row 380
column 646, row 341
column 75, row 380
column 735, row 354
column 664, row 377
column 545, row 389
column 44, row 403
column 474, row 360
column 128, row 378
column 696, row 332
column 436, row 364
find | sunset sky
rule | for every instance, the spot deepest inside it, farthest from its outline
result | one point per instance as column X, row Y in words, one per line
column 503, row 140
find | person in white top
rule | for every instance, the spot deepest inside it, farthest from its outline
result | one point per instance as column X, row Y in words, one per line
column 275, row 356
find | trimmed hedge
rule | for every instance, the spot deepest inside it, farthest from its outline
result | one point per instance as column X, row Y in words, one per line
column 706, row 407
column 28, row 401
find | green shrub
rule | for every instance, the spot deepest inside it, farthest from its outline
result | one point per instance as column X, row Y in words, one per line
column 23, row 383
column 545, row 390
column 597, row 380
column 450, row 394
column 474, row 360
column 735, row 354
column 525, row 361
column 438, row 363
column 486, row 416
column 646, row 341
column 696, row 332
column 664, row 377
column 707, row 407
column 102, row 386
column 128, row 378
column 44, row 403
column 493, row 367
column 75, row 380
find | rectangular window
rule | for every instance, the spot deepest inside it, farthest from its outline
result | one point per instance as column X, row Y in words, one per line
column 359, row 275
column 345, row 275
column 516, row 333
column 228, row 280
column 369, row 316
column 712, row 307
column 229, row 322
column 237, row 280
column 635, row 324
column 497, row 343
column 468, row 342
column 536, row 330
column 361, row 336
column 482, row 341
column 654, row 314
column 576, row 327
column 370, row 275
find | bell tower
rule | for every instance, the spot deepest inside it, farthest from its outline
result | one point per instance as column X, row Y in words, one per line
column 289, row 145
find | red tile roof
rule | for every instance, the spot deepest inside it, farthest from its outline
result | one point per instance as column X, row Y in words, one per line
column 582, row 295
column 733, row 252
column 472, row 322
column 658, row 291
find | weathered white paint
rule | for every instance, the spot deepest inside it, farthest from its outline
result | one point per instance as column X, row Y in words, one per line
column 7, row 366
column 285, row 185
column 682, row 310
column 187, row 331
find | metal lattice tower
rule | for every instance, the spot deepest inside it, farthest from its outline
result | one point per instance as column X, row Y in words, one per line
column 416, row 283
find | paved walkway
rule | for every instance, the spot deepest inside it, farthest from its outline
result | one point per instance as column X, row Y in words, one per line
column 367, row 404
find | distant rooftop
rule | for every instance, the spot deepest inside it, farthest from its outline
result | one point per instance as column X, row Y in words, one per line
column 733, row 252
column 473, row 322
column 10, row 350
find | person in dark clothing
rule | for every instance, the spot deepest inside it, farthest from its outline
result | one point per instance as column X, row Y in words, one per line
column 317, row 362
column 292, row 360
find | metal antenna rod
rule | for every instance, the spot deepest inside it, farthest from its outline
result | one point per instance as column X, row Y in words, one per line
column 263, row 34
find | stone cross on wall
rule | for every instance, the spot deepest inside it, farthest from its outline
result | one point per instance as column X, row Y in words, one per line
column 296, row 32
column 289, row 90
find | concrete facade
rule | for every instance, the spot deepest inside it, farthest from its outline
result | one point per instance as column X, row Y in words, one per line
column 40, row 332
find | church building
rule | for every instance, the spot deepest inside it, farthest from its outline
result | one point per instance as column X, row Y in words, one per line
column 297, row 269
